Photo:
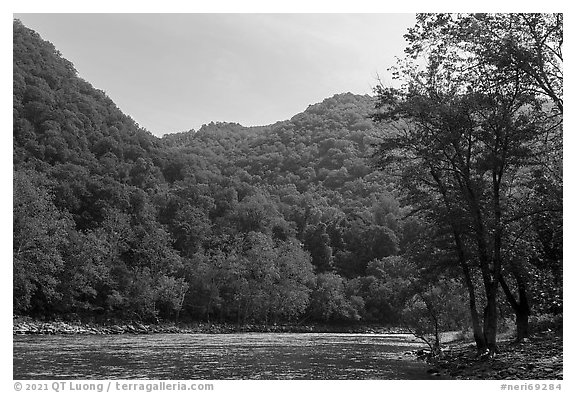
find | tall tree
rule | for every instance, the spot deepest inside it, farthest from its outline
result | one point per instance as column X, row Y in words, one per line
column 474, row 126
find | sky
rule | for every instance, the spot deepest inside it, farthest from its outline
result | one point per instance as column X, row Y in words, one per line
column 175, row 72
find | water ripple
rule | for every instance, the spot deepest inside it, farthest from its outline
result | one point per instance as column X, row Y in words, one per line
column 226, row 356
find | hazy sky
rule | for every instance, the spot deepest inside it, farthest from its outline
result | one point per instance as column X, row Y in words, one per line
column 175, row 72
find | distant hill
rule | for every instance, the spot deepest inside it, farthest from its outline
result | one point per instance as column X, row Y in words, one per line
column 128, row 224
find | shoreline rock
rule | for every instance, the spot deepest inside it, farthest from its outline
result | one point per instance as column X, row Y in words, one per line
column 539, row 358
column 31, row 327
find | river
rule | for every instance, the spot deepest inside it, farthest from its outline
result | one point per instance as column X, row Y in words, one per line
column 216, row 357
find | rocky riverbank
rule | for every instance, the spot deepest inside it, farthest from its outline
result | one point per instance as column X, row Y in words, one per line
column 538, row 358
column 27, row 326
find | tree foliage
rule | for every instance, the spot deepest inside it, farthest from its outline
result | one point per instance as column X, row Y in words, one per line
column 474, row 123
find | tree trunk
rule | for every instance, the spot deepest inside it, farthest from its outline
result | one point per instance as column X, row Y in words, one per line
column 490, row 280
column 521, row 307
column 522, row 325
column 475, row 317
column 490, row 274
column 476, row 326
column 491, row 319
column 477, row 329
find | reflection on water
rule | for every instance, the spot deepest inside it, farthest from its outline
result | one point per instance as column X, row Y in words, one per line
column 225, row 356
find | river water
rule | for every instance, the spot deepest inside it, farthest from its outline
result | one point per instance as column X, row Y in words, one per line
column 214, row 357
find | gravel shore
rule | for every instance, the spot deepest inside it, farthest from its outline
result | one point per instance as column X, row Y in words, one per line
column 59, row 327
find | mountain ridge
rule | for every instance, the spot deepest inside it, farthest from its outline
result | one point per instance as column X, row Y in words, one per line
column 137, row 222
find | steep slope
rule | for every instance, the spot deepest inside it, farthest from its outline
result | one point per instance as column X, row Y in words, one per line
column 58, row 117
column 216, row 222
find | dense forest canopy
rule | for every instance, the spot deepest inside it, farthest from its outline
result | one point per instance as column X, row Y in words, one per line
column 298, row 220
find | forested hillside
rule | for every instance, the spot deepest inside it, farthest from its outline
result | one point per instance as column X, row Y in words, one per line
column 230, row 223
column 315, row 218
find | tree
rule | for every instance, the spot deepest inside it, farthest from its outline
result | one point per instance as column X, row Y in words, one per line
column 434, row 308
column 190, row 228
column 85, row 273
column 40, row 237
column 170, row 295
column 317, row 242
column 291, row 295
column 330, row 302
column 520, row 43
column 474, row 124
column 255, row 213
